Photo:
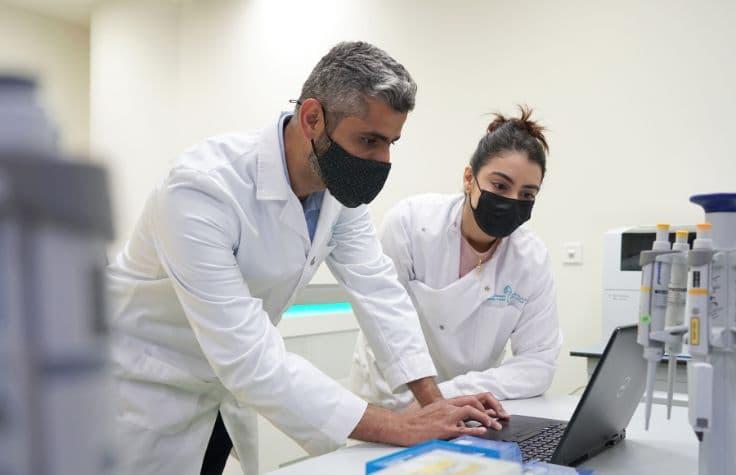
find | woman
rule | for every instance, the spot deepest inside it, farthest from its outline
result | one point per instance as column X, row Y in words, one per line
column 477, row 280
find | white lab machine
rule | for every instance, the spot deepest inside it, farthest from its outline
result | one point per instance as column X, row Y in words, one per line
column 706, row 321
column 55, row 410
column 622, row 272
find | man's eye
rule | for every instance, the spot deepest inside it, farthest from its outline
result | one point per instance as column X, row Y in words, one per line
column 528, row 196
column 501, row 186
column 368, row 140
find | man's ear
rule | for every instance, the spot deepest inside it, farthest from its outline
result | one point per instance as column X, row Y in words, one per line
column 311, row 118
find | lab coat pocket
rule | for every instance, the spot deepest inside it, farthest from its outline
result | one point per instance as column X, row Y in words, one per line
column 448, row 318
column 429, row 304
column 494, row 327
column 166, row 400
column 447, row 308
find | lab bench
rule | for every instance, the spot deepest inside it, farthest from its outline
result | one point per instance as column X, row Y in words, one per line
column 668, row 447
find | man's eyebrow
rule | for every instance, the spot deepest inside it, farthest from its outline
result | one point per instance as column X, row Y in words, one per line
column 381, row 137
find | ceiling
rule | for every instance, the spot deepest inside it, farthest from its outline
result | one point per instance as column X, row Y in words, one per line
column 75, row 11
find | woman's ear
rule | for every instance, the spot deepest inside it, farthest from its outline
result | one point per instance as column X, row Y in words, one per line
column 467, row 179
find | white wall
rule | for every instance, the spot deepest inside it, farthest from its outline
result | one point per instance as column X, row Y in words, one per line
column 631, row 92
column 628, row 90
column 134, row 84
column 56, row 52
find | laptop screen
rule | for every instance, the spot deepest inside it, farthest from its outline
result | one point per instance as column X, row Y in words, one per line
column 609, row 401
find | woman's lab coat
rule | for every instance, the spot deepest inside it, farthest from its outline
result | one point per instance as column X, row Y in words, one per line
column 468, row 321
column 219, row 253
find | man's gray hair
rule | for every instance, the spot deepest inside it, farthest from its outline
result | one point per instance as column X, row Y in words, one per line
column 352, row 71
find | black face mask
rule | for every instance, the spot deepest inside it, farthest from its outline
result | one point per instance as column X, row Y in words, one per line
column 352, row 180
column 499, row 216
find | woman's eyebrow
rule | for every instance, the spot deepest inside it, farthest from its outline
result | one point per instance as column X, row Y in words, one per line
column 504, row 176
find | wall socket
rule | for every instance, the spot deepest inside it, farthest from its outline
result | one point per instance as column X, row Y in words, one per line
column 572, row 253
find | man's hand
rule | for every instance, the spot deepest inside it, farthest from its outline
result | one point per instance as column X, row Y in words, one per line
column 440, row 420
column 425, row 390
column 490, row 405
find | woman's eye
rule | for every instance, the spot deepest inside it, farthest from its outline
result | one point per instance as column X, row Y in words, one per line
column 528, row 196
column 501, row 186
column 368, row 140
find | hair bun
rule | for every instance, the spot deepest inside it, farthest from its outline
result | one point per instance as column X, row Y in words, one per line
column 522, row 123
column 497, row 123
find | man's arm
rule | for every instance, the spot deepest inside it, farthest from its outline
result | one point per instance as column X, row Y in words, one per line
column 382, row 306
column 195, row 231
column 439, row 420
column 396, row 245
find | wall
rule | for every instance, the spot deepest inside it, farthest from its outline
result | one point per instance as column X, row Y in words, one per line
column 134, row 74
column 56, row 52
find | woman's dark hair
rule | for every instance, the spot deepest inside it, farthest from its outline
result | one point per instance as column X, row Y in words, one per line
column 512, row 134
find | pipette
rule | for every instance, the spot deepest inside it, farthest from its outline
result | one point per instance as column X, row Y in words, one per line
column 652, row 308
column 700, row 371
column 675, row 315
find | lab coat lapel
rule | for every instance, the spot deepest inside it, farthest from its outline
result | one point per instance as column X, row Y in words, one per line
column 328, row 215
column 272, row 184
column 451, row 268
column 470, row 291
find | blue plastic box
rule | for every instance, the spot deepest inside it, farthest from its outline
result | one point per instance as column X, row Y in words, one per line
column 381, row 463
column 543, row 468
column 506, row 450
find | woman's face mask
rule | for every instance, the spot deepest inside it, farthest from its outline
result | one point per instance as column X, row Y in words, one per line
column 499, row 216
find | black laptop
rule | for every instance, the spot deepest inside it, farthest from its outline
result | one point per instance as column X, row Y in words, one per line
column 601, row 417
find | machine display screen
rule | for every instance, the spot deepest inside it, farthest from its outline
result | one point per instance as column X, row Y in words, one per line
column 633, row 243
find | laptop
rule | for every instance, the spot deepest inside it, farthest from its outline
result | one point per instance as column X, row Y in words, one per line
column 601, row 416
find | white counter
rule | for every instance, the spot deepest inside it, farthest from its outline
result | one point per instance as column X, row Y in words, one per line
column 670, row 447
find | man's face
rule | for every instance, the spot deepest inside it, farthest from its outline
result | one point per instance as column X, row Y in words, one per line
column 369, row 137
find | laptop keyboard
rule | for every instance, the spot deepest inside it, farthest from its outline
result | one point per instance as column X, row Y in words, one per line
column 542, row 445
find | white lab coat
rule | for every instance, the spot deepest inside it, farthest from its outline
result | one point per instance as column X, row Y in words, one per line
column 467, row 322
column 219, row 253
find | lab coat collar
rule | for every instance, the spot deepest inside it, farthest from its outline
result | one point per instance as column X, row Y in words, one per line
column 271, row 182
column 453, row 227
column 485, row 282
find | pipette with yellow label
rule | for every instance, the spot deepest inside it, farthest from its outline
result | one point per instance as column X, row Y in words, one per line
column 652, row 307
column 675, row 315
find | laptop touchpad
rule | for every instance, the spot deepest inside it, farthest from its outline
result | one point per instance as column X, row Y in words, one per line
column 519, row 428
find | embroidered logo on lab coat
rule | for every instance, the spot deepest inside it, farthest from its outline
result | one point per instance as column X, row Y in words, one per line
column 508, row 296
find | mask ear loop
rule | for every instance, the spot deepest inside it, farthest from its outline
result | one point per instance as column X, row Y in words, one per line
column 470, row 203
column 467, row 194
column 324, row 119
column 311, row 141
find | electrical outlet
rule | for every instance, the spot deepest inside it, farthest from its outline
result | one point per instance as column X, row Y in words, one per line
column 572, row 253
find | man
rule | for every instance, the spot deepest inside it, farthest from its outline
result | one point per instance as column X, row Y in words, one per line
column 240, row 224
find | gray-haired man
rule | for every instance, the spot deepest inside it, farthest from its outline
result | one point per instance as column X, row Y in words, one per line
column 238, row 226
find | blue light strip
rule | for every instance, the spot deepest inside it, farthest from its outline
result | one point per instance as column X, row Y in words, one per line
column 309, row 310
